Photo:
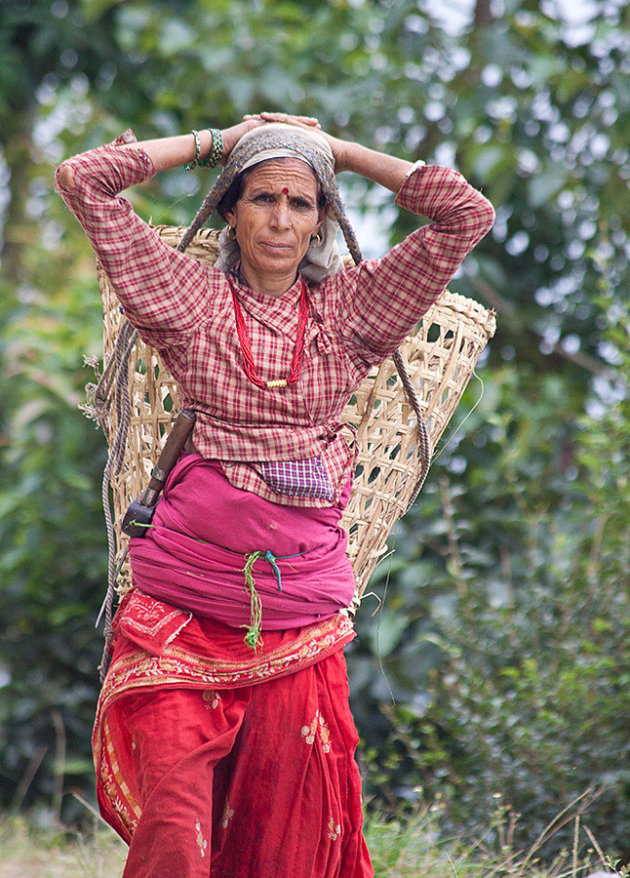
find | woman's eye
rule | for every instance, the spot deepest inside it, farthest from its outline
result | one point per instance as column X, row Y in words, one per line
column 264, row 198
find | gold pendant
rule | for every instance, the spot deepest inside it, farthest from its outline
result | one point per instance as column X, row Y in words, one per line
column 277, row 382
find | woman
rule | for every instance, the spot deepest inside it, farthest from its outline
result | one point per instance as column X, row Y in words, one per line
column 223, row 741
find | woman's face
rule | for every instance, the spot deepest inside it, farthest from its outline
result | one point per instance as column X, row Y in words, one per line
column 274, row 219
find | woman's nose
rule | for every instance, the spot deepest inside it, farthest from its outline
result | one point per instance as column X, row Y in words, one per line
column 281, row 215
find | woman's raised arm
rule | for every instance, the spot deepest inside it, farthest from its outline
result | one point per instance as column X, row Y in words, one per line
column 173, row 152
column 386, row 170
column 181, row 149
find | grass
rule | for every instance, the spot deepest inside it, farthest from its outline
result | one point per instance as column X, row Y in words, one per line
column 26, row 852
column 413, row 847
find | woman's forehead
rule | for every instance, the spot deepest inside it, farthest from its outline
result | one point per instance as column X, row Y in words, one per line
column 291, row 173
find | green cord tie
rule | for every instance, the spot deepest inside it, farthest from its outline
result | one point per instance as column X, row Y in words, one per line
column 253, row 637
column 269, row 556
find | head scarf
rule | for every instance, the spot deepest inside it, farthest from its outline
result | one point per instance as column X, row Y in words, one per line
column 320, row 260
column 273, row 141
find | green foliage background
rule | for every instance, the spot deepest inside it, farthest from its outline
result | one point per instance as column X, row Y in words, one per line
column 503, row 623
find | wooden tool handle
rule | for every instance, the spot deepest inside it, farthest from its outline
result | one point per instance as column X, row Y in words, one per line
column 177, row 438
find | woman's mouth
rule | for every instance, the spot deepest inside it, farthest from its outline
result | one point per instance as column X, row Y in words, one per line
column 276, row 246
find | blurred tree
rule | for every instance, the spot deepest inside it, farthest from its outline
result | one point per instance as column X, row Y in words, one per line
column 533, row 108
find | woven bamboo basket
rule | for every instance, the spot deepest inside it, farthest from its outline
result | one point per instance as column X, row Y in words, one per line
column 440, row 358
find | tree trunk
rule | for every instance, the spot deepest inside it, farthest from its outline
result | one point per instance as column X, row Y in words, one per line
column 483, row 13
column 17, row 154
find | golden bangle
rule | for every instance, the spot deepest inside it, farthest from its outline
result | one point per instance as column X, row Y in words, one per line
column 191, row 165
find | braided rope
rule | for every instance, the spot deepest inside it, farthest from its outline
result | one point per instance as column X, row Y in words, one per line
column 421, row 427
column 123, row 346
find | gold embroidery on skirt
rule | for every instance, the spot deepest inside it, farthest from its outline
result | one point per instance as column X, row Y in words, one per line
column 228, row 813
column 212, row 699
column 201, row 841
column 309, row 732
column 334, row 829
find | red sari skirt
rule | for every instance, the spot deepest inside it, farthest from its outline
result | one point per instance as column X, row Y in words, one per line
column 213, row 762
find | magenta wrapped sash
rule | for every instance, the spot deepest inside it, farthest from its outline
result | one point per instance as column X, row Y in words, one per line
column 194, row 554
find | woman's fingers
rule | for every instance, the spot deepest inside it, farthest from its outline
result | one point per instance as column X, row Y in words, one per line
column 286, row 118
column 232, row 135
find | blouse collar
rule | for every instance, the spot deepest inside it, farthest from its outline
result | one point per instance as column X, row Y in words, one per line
column 276, row 311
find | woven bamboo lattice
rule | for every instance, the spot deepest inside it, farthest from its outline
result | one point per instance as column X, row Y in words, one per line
column 440, row 360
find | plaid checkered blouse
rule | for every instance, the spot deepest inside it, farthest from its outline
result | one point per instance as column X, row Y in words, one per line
column 356, row 319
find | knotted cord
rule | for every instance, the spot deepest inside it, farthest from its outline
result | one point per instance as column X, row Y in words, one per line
column 115, row 376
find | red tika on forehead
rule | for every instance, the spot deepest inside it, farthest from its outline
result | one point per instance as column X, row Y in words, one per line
column 285, row 190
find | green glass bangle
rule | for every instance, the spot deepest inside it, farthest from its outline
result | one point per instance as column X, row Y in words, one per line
column 192, row 165
column 216, row 152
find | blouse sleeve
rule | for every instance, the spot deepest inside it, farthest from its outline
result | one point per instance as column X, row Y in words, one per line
column 379, row 302
column 164, row 293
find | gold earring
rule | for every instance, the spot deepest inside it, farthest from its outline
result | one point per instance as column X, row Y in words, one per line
column 316, row 240
column 231, row 233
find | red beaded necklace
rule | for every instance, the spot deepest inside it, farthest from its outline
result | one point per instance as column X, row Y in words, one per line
column 249, row 367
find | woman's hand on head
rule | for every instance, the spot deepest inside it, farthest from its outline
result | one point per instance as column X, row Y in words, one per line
column 286, row 119
column 231, row 136
column 308, row 122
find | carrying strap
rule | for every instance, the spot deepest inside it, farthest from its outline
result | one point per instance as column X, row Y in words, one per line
column 423, row 436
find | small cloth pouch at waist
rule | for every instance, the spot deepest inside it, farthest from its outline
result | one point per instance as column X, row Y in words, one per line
column 298, row 478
